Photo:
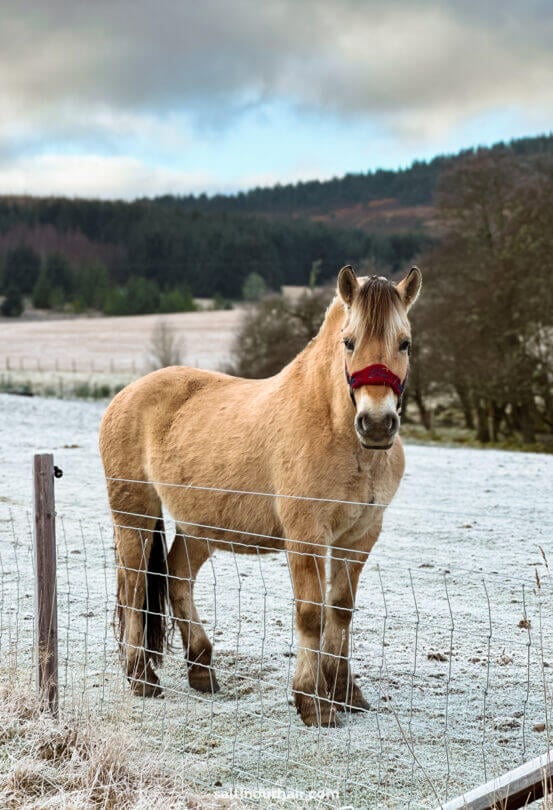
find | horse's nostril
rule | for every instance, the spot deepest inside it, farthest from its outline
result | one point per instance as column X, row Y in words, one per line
column 392, row 423
column 386, row 426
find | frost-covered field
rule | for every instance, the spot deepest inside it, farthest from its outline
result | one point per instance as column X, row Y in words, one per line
column 452, row 636
column 113, row 344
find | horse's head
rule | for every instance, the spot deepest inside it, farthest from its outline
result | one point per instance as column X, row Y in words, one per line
column 377, row 340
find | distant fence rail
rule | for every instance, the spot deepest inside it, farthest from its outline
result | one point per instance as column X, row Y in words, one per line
column 457, row 694
column 72, row 365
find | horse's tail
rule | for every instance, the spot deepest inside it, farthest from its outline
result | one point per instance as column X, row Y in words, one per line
column 156, row 597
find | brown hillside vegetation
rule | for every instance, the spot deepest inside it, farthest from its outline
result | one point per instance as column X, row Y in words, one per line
column 383, row 216
column 45, row 239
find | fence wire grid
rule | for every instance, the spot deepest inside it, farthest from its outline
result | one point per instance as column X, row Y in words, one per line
column 455, row 664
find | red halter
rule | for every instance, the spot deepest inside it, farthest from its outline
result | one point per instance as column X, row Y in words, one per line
column 377, row 374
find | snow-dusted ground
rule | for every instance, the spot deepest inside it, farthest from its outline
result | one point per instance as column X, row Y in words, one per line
column 452, row 636
column 113, row 345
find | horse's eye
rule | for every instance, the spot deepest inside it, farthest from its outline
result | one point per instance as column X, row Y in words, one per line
column 349, row 344
column 405, row 346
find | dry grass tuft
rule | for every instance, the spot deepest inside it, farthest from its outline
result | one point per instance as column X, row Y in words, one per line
column 69, row 765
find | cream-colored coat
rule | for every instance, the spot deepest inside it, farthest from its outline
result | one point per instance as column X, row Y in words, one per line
column 291, row 435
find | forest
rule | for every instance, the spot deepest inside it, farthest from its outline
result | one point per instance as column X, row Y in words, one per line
column 156, row 255
column 414, row 185
column 483, row 327
column 150, row 256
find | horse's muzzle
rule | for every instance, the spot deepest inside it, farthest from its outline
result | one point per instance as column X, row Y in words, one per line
column 379, row 433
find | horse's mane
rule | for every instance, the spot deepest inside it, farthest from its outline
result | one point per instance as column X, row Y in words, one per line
column 377, row 310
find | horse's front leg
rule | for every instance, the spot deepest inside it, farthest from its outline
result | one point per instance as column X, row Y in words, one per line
column 345, row 569
column 344, row 576
column 307, row 568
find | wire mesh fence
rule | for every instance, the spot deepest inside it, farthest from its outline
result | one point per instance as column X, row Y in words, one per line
column 455, row 664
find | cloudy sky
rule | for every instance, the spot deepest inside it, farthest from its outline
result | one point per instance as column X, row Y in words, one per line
column 124, row 98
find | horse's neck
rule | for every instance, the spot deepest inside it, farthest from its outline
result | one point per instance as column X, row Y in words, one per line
column 319, row 369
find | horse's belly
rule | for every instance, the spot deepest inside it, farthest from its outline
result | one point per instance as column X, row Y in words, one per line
column 221, row 470
column 229, row 520
column 249, row 544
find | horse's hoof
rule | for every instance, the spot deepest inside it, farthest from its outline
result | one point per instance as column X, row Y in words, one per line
column 355, row 702
column 152, row 690
column 146, row 687
column 203, row 679
column 352, row 706
column 317, row 711
column 347, row 696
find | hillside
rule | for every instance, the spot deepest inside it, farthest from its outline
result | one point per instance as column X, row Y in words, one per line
column 382, row 201
column 212, row 252
column 150, row 254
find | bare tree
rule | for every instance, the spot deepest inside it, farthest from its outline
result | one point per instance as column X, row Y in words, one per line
column 165, row 348
column 275, row 330
column 488, row 308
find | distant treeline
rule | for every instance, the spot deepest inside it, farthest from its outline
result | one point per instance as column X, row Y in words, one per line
column 53, row 283
column 412, row 186
column 170, row 248
column 483, row 328
column 156, row 255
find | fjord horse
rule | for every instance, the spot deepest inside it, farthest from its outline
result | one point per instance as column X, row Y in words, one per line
column 319, row 441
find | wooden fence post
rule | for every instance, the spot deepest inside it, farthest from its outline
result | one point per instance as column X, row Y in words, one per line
column 46, row 607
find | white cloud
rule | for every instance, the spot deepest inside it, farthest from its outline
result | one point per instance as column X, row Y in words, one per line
column 98, row 177
column 102, row 177
column 142, row 83
column 212, row 58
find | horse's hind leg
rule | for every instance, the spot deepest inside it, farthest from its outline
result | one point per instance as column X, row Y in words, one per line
column 141, row 591
column 186, row 557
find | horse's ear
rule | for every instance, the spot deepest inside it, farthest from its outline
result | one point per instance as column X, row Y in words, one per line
column 410, row 287
column 347, row 284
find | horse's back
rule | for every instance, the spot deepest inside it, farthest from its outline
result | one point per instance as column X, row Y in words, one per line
column 136, row 409
column 182, row 426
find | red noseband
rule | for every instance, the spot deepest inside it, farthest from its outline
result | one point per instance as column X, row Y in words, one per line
column 377, row 374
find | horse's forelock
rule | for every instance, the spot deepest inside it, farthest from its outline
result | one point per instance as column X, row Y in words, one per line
column 377, row 312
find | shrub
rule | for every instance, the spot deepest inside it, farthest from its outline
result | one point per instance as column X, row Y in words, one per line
column 220, row 303
column 139, row 297
column 42, row 292
column 165, row 349
column 254, row 287
column 92, row 284
column 275, row 330
column 177, row 301
column 12, row 305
